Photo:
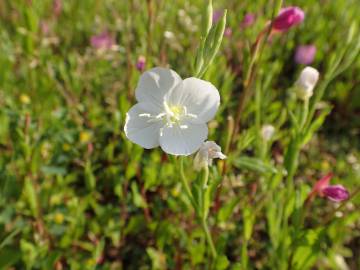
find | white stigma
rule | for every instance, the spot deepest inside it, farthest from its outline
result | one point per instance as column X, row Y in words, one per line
column 172, row 115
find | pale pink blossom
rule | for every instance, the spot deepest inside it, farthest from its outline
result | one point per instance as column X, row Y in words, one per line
column 305, row 54
column 102, row 41
column 248, row 20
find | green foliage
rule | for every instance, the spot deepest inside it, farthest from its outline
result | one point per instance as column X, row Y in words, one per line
column 76, row 194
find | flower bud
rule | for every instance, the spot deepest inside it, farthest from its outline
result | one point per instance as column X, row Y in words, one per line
column 267, row 131
column 306, row 82
column 140, row 64
column 322, row 188
column 207, row 152
column 287, row 18
column 305, row 54
column 336, row 193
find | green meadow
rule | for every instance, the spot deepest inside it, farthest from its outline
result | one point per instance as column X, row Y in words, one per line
column 89, row 182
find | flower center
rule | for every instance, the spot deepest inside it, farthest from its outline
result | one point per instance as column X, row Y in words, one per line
column 173, row 115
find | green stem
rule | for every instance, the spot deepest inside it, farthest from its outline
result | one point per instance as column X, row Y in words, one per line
column 291, row 162
column 304, row 114
column 209, row 238
column 204, row 211
column 185, row 183
column 256, row 56
column 244, row 255
column 205, row 177
column 200, row 207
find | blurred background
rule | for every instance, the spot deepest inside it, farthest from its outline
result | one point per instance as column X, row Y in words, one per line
column 75, row 194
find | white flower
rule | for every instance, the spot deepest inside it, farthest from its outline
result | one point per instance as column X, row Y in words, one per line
column 306, row 83
column 171, row 112
column 207, row 152
column 267, row 131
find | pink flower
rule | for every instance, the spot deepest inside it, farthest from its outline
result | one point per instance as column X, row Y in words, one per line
column 227, row 32
column 305, row 54
column 102, row 41
column 287, row 18
column 248, row 20
column 45, row 28
column 217, row 15
column 140, row 64
column 336, row 193
column 57, row 7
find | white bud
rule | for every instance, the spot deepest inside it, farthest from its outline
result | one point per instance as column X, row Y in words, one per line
column 207, row 152
column 169, row 35
column 306, row 82
column 267, row 131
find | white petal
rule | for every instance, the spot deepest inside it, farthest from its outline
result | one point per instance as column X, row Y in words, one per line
column 306, row 82
column 154, row 84
column 200, row 98
column 139, row 129
column 309, row 76
column 183, row 141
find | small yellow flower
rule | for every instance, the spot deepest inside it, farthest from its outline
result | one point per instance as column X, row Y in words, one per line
column 45, row 149
column 25, row 99
column 66, row 147
column 56, row 199
column 175, row 191
column 325, row 166
column 59, row 218
column 84, row 136
column 90, row 262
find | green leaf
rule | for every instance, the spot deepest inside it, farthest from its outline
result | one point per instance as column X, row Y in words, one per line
column 207, row 19
column 137, row 198
column 53, row 170
column 49, row 262
column 212, row 43
column 222, row 262
column 9, row 256
column 226, row 211
column 294, row 120
column 309, row 249
column 158, row 259
column 254, row 164
column 8, row 238
column 30, row 194
column 90, row 179
column 315, row 125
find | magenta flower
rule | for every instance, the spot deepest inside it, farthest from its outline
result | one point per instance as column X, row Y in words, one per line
column 140, row 64
column 248, row 20
column 336, row 193
column 217, row 15
column 305, row 54
column 102, row 41
column 287, row 18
